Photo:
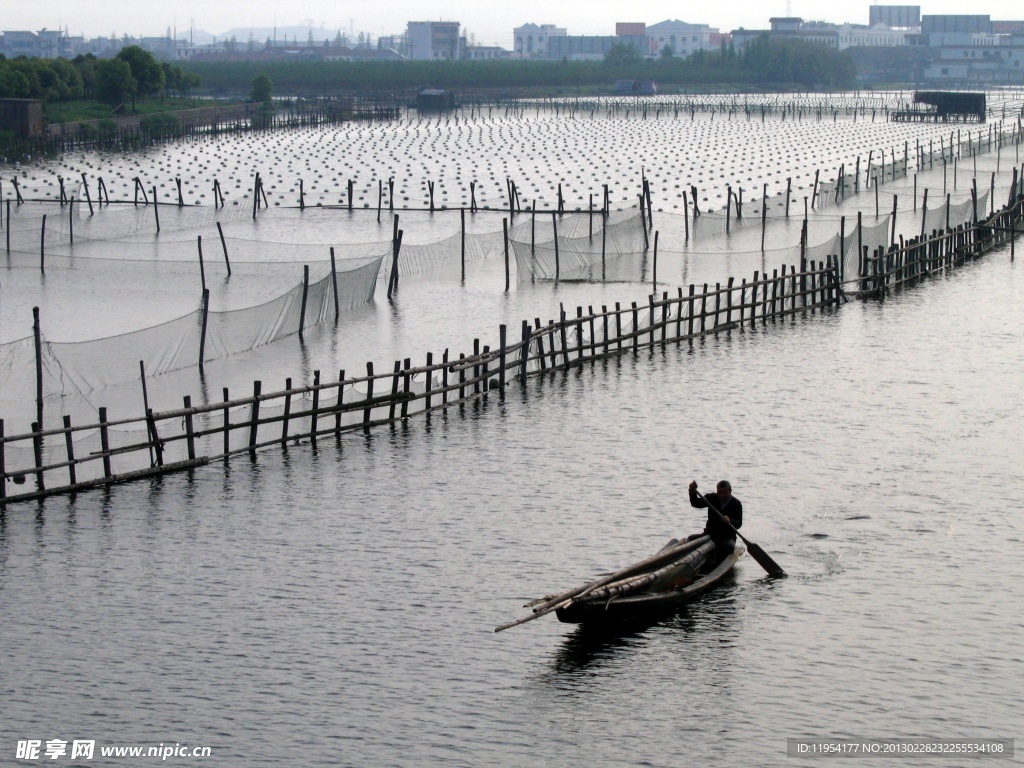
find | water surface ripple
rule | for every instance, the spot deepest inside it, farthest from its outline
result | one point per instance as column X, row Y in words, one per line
column 335, row 606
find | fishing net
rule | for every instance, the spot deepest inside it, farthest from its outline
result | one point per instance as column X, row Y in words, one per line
column 714, row 224
column 946, row 214
column 836, row 190
column 114, row 222
column 445, row 256
column 78, row 368
column 882, row 172
column 585, row 247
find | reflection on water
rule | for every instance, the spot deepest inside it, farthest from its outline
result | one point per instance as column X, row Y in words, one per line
column 589, row 647
column 338, row 603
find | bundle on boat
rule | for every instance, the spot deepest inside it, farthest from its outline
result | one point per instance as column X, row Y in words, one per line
column 660, row 584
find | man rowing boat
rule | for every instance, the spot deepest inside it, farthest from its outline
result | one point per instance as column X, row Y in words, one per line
column 731, row 509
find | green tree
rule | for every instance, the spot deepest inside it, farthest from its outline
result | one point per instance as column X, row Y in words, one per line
column 86, row 66
column 621, row 54
column 60, row 79
column 666, row 52
column 30, row 72
column 146, row 71
column 178, row 81
column 114, row 81
column 810, row 65
column 71, row 85
column 13, row 83
column 189, row 82
column 172, row 77
column 262, row 88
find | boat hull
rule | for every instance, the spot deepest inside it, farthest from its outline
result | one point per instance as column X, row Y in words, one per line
column 648, row 604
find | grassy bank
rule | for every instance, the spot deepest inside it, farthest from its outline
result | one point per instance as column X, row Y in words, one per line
column 76, row 111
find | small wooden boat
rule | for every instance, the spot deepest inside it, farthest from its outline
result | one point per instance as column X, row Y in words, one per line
column 676, row 575
column 659, row 591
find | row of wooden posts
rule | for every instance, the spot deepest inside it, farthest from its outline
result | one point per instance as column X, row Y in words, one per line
column 749, row 106
column 908, row 262
column 734, row 199
column 174, row 437
column 191, row 129
column 644, row 106
column 646, row 216
column 883, row 268
column 983, row 142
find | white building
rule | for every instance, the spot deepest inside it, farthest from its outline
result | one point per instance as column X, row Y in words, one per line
column 681, row 38
column 877, row 36
column 980, row 59
column 434, row 40
column 485, row 53
column 531, row 40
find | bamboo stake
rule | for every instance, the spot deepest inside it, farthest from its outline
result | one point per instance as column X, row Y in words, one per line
column 305, row 293
column 37, row 338
column 504, row 229
column 202, row 337
column 202, row 269
column 224, row 247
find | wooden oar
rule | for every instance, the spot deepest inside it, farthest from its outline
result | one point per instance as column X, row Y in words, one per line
column 564, row 599
column 770, row 566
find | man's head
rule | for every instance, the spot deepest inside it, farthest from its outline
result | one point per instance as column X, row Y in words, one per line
column 724, row 490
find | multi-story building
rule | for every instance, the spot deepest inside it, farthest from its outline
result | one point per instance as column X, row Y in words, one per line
column 895, row 16
column 45, row 44
column 811, row 31
column 433, row 40
column 591, row 47
column 742, row 37
column 956, row 24
column 837, row 36
column 531, row 40
column 680, row 38
column 485, row 53
column 979, row 64
column 630, row 29
column 876, row 36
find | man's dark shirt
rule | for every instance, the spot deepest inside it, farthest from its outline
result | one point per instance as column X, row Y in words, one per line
column 718, row 530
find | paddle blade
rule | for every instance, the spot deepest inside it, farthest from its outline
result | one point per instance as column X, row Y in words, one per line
column 770, row 566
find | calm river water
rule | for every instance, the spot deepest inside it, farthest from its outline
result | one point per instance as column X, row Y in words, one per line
column 335, row 605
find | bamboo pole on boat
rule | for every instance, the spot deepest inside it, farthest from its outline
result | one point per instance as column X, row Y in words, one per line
column 563, row 600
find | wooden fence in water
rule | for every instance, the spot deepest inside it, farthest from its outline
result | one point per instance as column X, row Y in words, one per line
column 75, row 458
column 920, row 257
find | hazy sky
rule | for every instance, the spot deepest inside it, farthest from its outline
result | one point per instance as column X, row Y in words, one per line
column 491, row 22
